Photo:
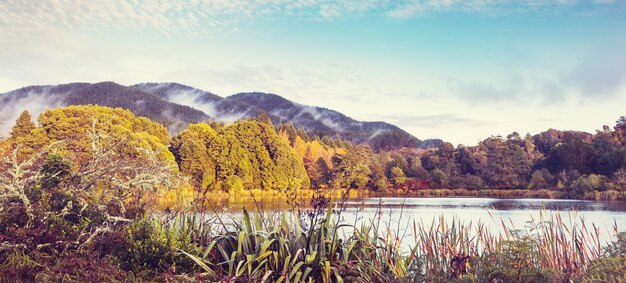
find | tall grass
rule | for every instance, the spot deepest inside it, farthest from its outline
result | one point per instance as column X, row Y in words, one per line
column 317, row 246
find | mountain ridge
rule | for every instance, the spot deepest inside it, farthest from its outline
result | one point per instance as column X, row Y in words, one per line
column 175, row 105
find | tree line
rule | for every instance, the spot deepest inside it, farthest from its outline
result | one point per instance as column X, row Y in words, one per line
column 255, row 154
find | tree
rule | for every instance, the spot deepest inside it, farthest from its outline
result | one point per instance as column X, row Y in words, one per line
column 540, row 179
column 572, row 154
column 398, row 175
column 24, row 125
column 190, row 150
column 289, row 130
column 379, row 180
column 352, row 170
column 250, row 150
column 507, row 165
column 303, row 135
column 55, row 169
column 440, row 177
column 620, row 179
column 264, row 118
column 116, row 156
column 126, row 133
column 19, row 176
column 464, row 159
column 321, row 173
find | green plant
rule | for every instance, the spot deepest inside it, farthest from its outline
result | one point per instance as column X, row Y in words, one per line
column 152, row 244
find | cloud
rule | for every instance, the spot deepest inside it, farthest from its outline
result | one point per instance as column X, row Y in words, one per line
column 36, row 102
column 37, row 18
column 600, row 73
column 432, row 121
column 34, row 19
column 412, row 8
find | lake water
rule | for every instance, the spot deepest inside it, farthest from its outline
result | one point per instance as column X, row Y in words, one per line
column 399, row 214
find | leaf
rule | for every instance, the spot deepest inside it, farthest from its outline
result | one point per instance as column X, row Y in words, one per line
column 200, row 263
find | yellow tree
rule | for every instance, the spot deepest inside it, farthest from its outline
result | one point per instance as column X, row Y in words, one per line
column 23, row 126
column 125, row 131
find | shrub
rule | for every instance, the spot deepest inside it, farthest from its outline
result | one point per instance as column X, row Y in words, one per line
column 515, row 261
column 149, row 244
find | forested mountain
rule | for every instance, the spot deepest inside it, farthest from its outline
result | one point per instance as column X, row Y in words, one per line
column 37, row 99
column 315, row 120
column 176, row 105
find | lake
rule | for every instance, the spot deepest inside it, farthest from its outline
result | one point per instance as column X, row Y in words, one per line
column 400, row 213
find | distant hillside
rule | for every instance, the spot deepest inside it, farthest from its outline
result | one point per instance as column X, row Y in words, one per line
column 174, row 116
column 315, row 120
column 176, row 105
column 37, row 99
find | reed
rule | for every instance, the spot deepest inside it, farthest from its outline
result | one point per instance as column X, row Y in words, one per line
column 294, row 246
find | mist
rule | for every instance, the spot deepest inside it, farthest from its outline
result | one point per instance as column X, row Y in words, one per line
column 36, row 101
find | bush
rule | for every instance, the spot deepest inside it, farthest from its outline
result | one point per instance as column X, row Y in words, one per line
column 611, row 267
column 149, row 244
column 516, row 261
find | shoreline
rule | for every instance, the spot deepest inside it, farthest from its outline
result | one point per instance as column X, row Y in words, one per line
column 180, row 198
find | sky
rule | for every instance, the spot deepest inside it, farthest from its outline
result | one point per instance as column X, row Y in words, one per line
column 456, row 70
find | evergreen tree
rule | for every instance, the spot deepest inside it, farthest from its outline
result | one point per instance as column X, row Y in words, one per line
column 264, row 118
column 303, row 135
column 24, row 125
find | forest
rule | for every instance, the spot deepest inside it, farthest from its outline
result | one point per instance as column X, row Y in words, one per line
column 80, row 193
column 255, row 154
column 552, row 164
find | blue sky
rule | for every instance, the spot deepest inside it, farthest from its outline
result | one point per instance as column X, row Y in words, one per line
column 457, row 70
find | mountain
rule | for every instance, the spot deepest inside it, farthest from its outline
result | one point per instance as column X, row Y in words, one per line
column 176, row 105
column 213, row 105
column 38, row 99
column 174, row 116
column 315, row 120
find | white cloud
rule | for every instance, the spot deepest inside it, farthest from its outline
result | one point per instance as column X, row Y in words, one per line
column 61, row 41
column 410, row 8
column 34, row 20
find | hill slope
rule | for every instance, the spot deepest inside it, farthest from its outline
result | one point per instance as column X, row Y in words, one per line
column 176, row 105
column 315, row 120
column 38, row 99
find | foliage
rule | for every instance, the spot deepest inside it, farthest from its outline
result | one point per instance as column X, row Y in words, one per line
column 149, row 244
column 610, row 267
column 23, row 126
column 247, row 154
column 292, row 248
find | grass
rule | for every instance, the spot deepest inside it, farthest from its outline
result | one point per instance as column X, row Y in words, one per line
column 316, row 244
column 318, row 247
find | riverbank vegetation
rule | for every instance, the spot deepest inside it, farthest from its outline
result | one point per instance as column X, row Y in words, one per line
column 218, row 159
column 554, row 164
column 79, row 194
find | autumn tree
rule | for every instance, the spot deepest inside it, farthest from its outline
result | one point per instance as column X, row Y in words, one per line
column 190, row 150
column 289, row 130
column 126, row 133
column 264, row 118
column 320, row 174
column 397, row 175
column 351, row 169
column 507, row 164
column 244, row 155
column 24, row 125
column 378, row 176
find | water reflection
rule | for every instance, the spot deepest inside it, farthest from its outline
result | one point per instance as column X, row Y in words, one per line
column 518, row 213
column 492, row 203
column 399, row 214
